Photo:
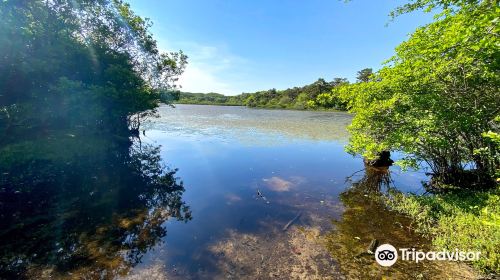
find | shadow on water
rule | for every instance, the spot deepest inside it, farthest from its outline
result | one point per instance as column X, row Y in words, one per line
column 76, row 206
column 367, row 218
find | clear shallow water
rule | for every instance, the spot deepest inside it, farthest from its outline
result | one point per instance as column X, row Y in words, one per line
column 224, row 155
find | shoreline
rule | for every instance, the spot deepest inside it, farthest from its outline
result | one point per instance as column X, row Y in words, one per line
column 450, row 225
column 267, row 108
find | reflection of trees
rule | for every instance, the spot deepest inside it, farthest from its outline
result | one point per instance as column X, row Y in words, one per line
column 85, row 205
column 366, row 218
column 374, row 180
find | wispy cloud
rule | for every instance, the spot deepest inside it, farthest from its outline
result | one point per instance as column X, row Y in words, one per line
column 211, row 69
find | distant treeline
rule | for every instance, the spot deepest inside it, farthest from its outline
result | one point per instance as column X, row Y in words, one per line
column 318, row 95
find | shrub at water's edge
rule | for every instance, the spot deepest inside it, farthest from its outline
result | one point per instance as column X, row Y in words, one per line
column 437, row 99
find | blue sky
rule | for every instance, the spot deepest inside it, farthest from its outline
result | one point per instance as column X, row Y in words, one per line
column 239, row 46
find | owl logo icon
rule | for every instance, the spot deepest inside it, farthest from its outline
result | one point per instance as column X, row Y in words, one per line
column 386, row 255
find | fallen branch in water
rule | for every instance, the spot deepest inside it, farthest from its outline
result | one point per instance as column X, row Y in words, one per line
column 292, row 221
column 348, row 178
column 260, row 195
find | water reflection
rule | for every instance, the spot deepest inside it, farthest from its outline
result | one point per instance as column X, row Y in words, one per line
column 80, row 206
column 367, row 218
column 227, row 155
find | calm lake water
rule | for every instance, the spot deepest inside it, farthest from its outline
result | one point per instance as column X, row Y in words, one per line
column 248, row 194
column 295, row 159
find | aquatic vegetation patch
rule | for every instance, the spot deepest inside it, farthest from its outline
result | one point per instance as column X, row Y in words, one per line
column 296, row 254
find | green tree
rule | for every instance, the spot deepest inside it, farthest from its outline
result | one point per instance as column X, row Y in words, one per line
column 75, row 64
column 338, row 82
column 364, row 75
column 299, row 98
column 437, row 96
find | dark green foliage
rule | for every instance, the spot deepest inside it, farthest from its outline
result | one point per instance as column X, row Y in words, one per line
column 211, row 98
column 69, row 64
column 292, row 98
column 317, row 95
column 364, row 75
